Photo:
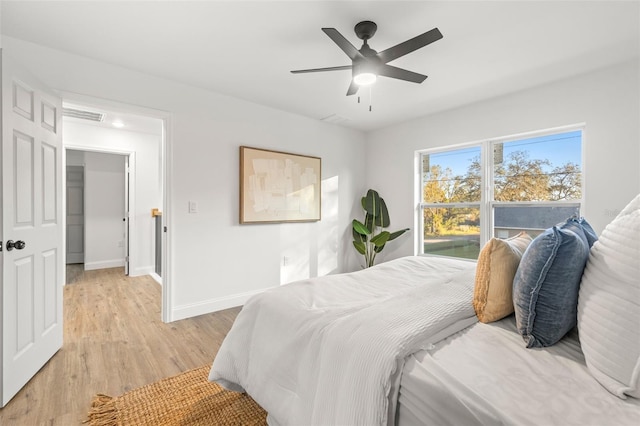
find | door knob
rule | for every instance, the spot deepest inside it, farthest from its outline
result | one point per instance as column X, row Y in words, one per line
column 18, row 245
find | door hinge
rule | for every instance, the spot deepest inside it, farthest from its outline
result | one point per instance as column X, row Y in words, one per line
column 165, row 229
column 0, row 245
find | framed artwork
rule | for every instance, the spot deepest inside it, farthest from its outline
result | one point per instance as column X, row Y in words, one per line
column 278, row 187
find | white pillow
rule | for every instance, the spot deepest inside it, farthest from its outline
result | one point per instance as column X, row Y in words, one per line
column 609, row 305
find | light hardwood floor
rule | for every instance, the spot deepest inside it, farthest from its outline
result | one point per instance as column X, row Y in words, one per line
column 114, row 341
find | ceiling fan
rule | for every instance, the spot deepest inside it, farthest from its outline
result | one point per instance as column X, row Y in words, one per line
column 367, row 64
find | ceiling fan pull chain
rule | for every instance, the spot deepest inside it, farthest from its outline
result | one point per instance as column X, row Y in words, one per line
column 370, row 97
column 358, row 99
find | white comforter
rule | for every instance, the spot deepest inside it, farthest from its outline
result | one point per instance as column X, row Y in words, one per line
column 322, row 351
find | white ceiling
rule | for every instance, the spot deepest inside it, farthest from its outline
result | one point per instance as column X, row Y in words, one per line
column 246, row 49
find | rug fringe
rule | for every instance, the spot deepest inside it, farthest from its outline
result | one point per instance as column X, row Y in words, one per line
column 103, row 411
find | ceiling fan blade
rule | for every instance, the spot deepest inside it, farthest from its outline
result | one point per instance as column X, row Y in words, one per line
column 410, row 45
column 353, row 89
column 401, row 74
column 343, row 43
column 342, row 67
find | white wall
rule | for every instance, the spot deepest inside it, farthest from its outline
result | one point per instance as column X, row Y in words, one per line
column 146, row 182
column 216, row 263
column 607, row 101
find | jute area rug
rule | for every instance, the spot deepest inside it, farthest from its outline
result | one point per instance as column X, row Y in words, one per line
column 186, row 399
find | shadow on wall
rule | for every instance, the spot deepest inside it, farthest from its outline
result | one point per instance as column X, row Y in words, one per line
column 311, row 249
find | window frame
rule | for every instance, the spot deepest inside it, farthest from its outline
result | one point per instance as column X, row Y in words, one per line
column 487, row 203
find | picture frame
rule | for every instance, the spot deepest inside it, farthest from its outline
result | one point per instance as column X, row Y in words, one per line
column 277, row 187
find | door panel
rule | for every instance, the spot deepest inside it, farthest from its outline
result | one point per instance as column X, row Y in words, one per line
column 22, row 100
column 51, row 263
column 49, row 183
column 22, row 288
column 32, row 276
column 23, row 194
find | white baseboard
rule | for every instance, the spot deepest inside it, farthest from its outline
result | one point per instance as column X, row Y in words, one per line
column 141, row 270
column 114, row 263
column 212, row 305
column 157, row 278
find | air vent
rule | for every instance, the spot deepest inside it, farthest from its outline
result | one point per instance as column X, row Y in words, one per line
column 334, row 119
column 83, row 115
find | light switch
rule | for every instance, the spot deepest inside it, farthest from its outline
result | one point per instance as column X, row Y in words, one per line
column 193, row 207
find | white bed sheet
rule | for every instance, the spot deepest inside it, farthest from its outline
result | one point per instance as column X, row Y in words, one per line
column 324, row 351
column 484, row 375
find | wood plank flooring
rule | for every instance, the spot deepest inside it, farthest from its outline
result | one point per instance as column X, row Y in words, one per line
column 114, row 341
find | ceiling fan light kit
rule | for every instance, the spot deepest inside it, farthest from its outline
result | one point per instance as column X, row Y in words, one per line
column 367, row 64
column 365, row 78
column 364, row 73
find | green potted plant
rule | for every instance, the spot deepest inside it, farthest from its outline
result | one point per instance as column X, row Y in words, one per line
column 369, row 238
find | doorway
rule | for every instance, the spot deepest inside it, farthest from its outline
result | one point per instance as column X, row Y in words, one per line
column 113, row 130
column 97, row 216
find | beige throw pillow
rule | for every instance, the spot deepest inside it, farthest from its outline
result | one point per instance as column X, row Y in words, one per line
column 497, row 265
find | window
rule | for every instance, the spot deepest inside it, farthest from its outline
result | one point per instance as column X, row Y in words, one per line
column 497, row 188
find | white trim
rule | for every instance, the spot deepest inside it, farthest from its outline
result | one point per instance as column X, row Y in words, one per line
column 583, row 202
column 98, row 149
column 559, row 203
column 157, row 278
column 451, row 205
column 104, row 264
column 140, row 270
column 486, row 193
column 167, row 247
column 418, row 237
column 212, row 305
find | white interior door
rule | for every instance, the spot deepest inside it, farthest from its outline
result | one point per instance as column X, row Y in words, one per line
column 33, row 262
column 75, row 214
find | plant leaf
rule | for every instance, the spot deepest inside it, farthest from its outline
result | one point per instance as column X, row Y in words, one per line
column 368, row 222
column 396, row 234
column 383, row 220
column 380, row 239
column 359, row 246
column 371, row 203
column 359, row 227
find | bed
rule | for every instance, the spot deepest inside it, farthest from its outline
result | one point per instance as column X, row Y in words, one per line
column 426, row 340
column 484, row 376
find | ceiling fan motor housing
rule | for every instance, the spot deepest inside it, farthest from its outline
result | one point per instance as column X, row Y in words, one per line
column 365, row 30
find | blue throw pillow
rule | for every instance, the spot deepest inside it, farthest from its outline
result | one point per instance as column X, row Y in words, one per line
column 589, row 233
column 546, row 284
